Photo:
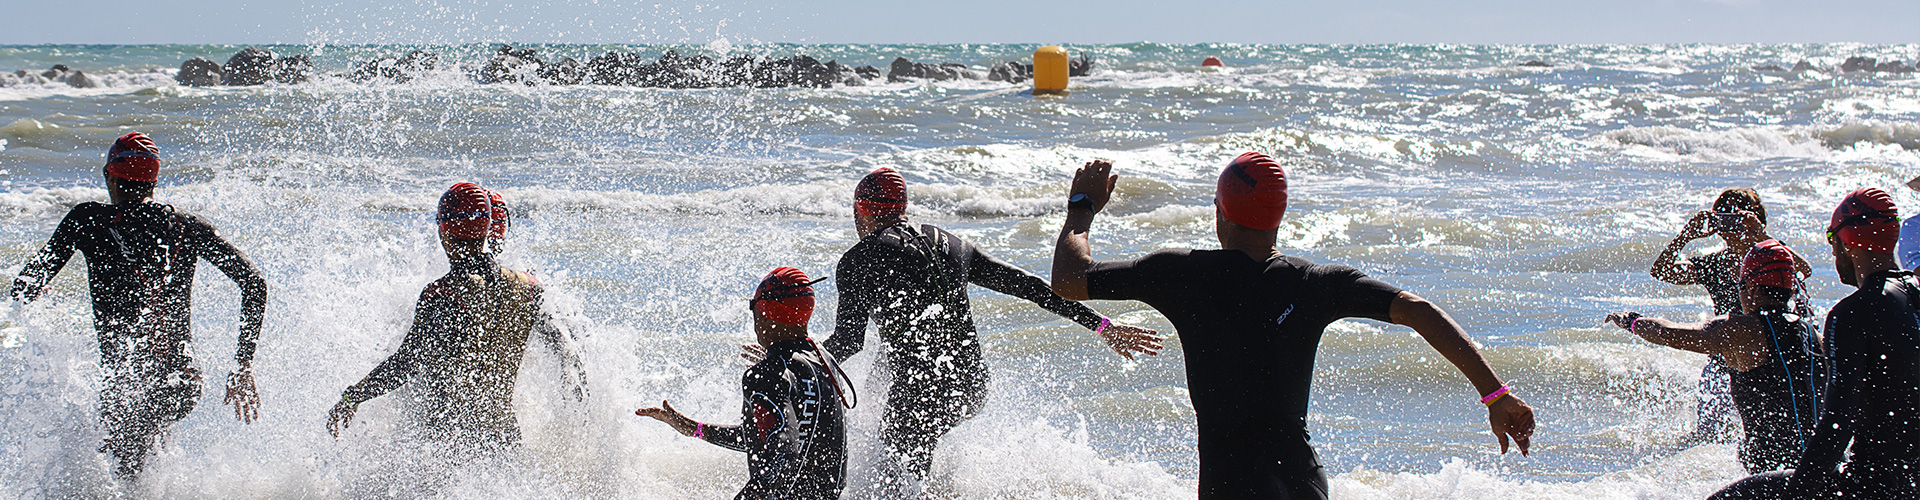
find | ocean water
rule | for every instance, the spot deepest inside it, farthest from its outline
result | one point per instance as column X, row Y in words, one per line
column 1529, row 202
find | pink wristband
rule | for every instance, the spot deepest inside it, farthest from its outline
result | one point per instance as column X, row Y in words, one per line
column 699, row 430
column 1633, row 325
column 1102, row 329
column 1495, row 396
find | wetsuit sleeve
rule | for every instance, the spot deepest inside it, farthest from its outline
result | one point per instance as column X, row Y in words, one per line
column 253, row 289
column 856, row 285
column 46, row 264
column 433, row 319
column 572, row 370
column 760, row 417
column 999, row 276
column 1140, row 279
column 1841, row 411
column 1354, row 295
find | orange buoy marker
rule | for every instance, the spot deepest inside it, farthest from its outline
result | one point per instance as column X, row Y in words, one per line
column 1213, row 61
column 1050, row 70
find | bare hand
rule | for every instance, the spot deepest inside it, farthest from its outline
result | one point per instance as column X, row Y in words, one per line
column 1697, row 226
column 1129, row 340
column 1097, row 181
column 1621, row 320
column 242, row 395
column 753, row 353
column 1511, row 417
column 340, row 417
column 666, row 413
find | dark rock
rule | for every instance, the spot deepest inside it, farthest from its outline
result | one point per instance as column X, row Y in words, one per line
column 198, row 72
column 1769, row 67
column 510, row 65
column 79, row 79
column 1896, row 67
column 1857, row 63
column 867, row 72
column 56, row 72
column 252, row 66
column 1535, row 64
column 566, row 72
column 294, row 69
column 1803, row 66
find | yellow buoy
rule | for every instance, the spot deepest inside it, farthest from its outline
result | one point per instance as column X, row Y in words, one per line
column 1050, row 70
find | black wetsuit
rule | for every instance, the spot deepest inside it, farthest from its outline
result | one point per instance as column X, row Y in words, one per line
column 792, row 427
column 1779, row 400
column 1872, row 404
column 912, row 280
column 1250, row 331
column 470, row 332
column 140, row 269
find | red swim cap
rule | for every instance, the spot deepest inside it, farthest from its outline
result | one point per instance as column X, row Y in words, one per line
column 882, row 193
column 785, row 296
column 134, row 157
column 466, row 212
column 1770, row 263
column 1253, row 192
column 501, row 218
column 1212, row 61
column 1866, row 219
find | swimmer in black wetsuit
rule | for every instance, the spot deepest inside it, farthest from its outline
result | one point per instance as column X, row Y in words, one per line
column 1872, row 405
column 912, row 280
column 792, row 423
column 470, row 332
column 1777, row 362
column 1250, row 321
column 140, row 267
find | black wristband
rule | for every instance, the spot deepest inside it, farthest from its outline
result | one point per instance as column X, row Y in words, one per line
column 1080, row 200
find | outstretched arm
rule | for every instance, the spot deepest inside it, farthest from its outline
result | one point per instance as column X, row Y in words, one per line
column 1073, row 252
column 999, row 276
column 433, row 316
column 850, row 316
column 1509, row 416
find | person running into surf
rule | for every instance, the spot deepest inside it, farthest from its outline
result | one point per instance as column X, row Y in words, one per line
column 470, row 332
column 911, row 279
column 792, row 420
column 1778, row 367
column 1870, row 423
column 1250, row 320
column 1740, row 219
column 141, row 257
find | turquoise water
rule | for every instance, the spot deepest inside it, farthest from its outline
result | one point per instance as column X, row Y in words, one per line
column 1527, row 201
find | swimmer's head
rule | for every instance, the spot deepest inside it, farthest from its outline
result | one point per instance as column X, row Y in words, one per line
column 785, row 296
column 1768, row 275
column 1252, row 192
column 1739, row 200
column 466, row 212
column 1866, row 220
column 133, row 164
column 880, row 200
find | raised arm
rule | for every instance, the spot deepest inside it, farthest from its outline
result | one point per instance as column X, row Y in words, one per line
column 1073, row 252
column 1509, row 416
column 46, row 264
column 1669, row 267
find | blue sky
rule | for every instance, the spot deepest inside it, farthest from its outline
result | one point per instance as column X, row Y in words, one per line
column 961, row 21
